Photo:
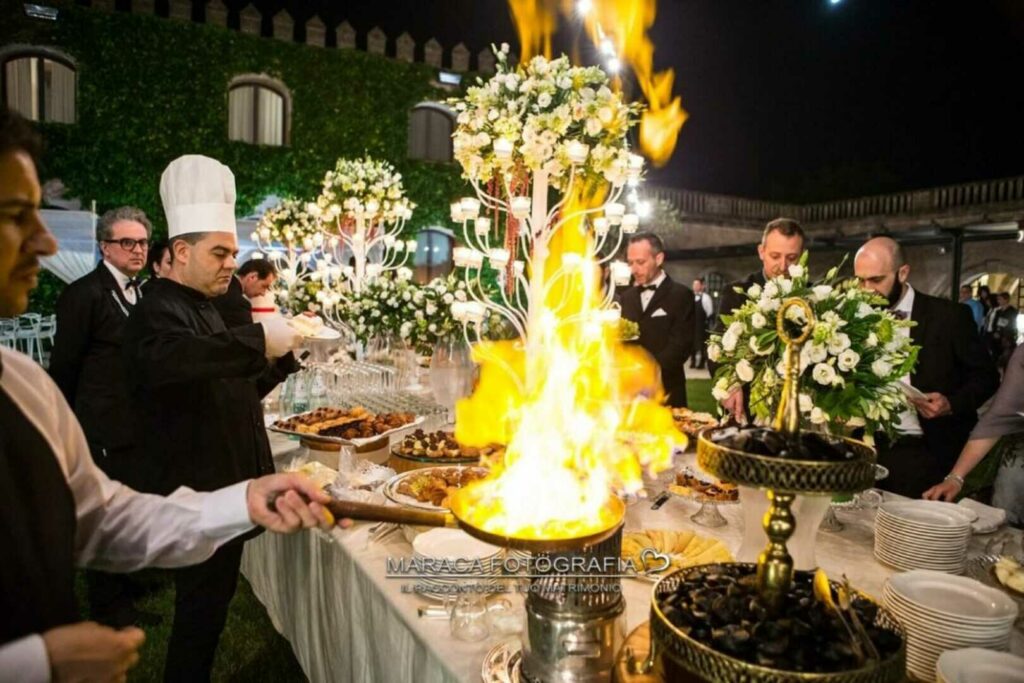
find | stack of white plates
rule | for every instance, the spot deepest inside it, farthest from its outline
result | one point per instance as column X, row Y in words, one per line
column 940, row 612
column 462, row 552
column 922, row 534
column 974, row 665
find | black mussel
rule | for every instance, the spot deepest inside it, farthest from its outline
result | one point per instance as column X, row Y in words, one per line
column 731, row 638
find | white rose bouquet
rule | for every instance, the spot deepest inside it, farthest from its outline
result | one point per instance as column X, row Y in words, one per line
column 849, row 366
column 533, row 116
column 289, row 224
column 363, row 186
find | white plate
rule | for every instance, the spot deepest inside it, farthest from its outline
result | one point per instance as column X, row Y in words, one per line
column 975, row 665
column 956, row 597
column 926, row 514
column 452, row 544
column 325, row 333
column 390, row 489
column 962, row 528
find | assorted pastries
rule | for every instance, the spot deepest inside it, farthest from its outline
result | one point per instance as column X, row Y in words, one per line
column 342, row 423
column 684, row 549
column 435, row 485
column 688, row 484
column 440, row 445
column 690, row 422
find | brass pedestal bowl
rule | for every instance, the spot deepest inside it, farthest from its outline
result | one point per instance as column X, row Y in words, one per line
column 707, row 621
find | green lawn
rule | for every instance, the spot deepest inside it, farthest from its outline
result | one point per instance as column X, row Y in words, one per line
column 250, row 649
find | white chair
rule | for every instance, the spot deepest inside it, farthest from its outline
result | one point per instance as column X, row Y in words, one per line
column 8, row 333
column 47, row 331
column 27, row 335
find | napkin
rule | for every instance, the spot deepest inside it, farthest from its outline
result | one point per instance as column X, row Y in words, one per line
column 989, row 518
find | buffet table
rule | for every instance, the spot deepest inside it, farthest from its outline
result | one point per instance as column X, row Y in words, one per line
column 328, row 595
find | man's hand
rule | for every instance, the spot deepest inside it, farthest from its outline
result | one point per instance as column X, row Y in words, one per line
column 935, row 405
column 87, row 651
column 298, row 503
column 733, row 404
column 280, row 337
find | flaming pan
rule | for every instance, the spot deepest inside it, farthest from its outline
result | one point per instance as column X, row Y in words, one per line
column 456, row 519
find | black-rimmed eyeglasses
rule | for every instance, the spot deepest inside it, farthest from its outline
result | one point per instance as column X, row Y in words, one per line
column 128, row 244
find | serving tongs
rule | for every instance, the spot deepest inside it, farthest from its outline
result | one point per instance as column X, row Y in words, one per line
column 842, row 607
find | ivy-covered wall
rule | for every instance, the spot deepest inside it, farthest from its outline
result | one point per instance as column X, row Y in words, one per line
column 151, row 89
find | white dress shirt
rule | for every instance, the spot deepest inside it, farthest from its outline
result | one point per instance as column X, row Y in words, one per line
column 118, row 529
column 122, row 281
column 910, row 423
column 705, row 301
column 647, row 294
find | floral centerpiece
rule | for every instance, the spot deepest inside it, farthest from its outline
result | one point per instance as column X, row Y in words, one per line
column 365, row 187
column 419, row 315
column 540, row 115
column 849, row 367
column 290, row 224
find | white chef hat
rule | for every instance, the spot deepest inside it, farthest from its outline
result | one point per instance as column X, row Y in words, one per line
column 198, row 195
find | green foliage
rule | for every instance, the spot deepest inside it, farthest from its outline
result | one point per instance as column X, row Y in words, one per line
column 43, row 299
column 151, row 89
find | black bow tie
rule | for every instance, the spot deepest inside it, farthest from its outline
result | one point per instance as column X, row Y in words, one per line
column 648, row 288
column 133, row 283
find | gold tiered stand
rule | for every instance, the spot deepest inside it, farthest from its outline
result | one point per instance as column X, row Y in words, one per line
column 782, row 479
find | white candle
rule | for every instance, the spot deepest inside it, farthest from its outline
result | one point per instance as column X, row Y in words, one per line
column 404, row 273
column 613, row 212
column 389, row 241
column 630, row 222
column 519, row 267
column 470, row 207
column 460, row 257
column 619, row 272
column 499, row 258
column 577, row 152
column 372, row 207
column 335, row 210
column 520, row 207
column 482, row 226
column 503, row 149
column 410, row 246
column 600, row 226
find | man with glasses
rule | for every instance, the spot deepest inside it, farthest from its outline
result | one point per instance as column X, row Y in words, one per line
column 954, row 372
column 87, row 365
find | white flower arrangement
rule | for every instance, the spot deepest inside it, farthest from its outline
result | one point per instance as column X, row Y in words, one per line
column 300, row 297
column 543, row 115
column 289, row 224
column 363, row 187
column 849, row 366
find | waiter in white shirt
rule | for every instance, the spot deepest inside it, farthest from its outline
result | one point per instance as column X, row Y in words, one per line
column 58, row 510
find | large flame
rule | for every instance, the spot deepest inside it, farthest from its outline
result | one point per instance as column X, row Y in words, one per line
column 581, row 413
column 623, row 24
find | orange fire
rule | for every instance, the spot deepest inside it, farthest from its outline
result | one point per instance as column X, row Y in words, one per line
column 580, row 413
column 622, row 24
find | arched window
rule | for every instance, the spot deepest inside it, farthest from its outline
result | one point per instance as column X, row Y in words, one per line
column 259, row 111
column 433, row 257
column 40, row 85
column 430, row 132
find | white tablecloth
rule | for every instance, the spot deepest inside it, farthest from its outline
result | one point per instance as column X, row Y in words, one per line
column 327, row 594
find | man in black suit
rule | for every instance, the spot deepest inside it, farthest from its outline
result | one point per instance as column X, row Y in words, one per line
column 954, row 371
column 253, row 278
column 782, row 243
column 664, row 311
column 703, row 311
column 87, row 365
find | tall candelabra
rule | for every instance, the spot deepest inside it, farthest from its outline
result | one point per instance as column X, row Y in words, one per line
column 533, row 224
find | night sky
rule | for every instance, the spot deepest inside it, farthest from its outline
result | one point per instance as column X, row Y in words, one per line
column 798, row 100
